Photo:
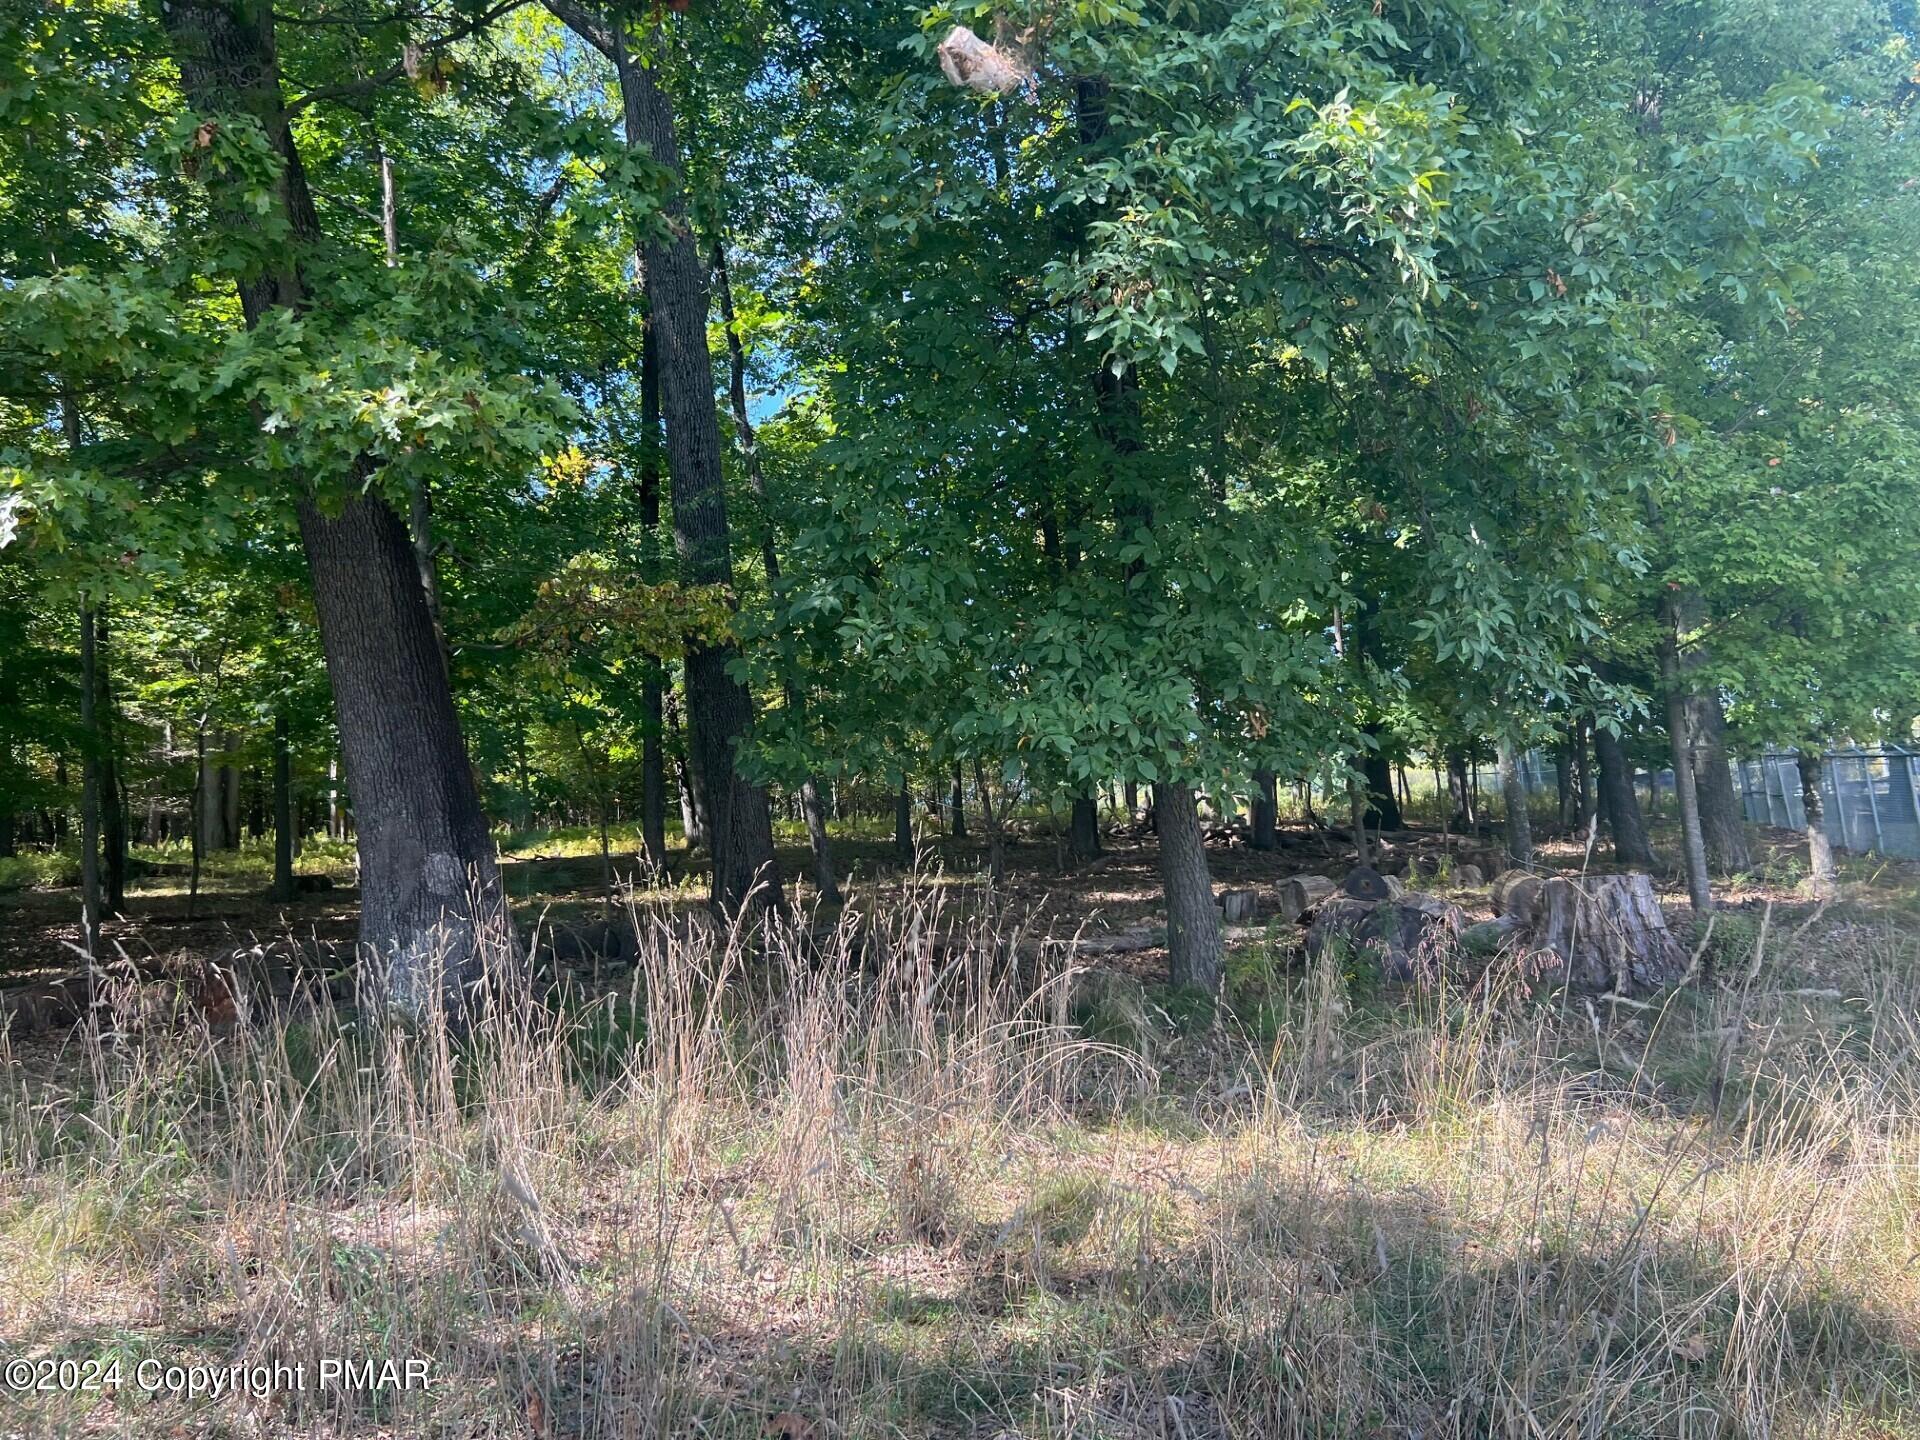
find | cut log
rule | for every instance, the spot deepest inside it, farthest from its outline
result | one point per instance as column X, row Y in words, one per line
column 1608, row 933
column 1487, row 859
column 1363, row 882
column 1407, row 938
column 1237, row 906
column 1301, row 894
column 1516, row 893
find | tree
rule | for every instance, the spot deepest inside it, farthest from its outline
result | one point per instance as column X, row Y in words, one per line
column 719, row 705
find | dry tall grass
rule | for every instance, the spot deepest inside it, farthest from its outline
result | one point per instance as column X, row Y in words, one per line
column 909, row 1180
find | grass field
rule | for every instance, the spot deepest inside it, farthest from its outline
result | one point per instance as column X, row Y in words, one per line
column 918, row 1179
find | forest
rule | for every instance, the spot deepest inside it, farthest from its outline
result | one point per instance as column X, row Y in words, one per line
column 1045, row 719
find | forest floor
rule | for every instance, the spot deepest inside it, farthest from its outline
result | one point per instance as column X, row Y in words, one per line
column 881, row 1183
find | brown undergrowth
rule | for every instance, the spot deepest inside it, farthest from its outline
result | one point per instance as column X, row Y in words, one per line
column 911, row 1177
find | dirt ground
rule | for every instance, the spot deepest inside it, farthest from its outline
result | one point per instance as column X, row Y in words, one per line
column 1120, row 889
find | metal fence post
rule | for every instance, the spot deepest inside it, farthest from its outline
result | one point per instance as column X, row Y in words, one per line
column 1873, row 803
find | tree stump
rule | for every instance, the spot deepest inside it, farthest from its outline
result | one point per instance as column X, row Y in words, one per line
column 1517, row 893
column 1301, row 894
column 1363, row 882
column 1608, row 932
column 1407, row 938
column 1237, row 907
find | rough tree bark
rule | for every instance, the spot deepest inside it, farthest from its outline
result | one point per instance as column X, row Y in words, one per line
column 1196, row 947
column 1513, row 790
column 819, row 845
column 693, row 791
column 1083, row 830
column 194, row 828
column 1266, row 811
column 1820, row 868
column 1608, row 932
column 1693, row 849
column 653, row 760
column 996, row 846
column 91, row 899
column 1619, row 803
column 739, row 819
column 903, row 822
column 282, row 809
column 1583, row 765
column 1723, row 819
column 419, row 493
column 113, row 807
column 430, row 887
column 1563, row 779
column 1460, row 790
column 1194, row 944
column 1381, row 800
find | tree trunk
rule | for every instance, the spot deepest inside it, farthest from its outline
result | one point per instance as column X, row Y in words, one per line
column 91, row 899
column 653, row 771
column 1693, row 849
column 57, row 817
column 996, row 847
column 819, row 844
column 419, row 493
column 903, row 823
column 1723, row 820
column 229, row 793
column 1083, row 831
column 1196, row 948
column 1608, row 931
column 1380, row 797
column 282, row 809
column 958, row 806
column 1563, row 780
column 653, row 761
column 429, row 885
column 1132, row 793
column 213, row 802
column 1462, row 792
column 814, row 811
column 1513, row 790
column 196, row 830
column 690, row 826
column 719, row 707
column 606, row 855
column 113, row 809
column 1357, row 811
column 1620, row 804
column 1820, row 867
column 1266, row 811
column 1583, row 764
column 420, row 535
column 693, row 790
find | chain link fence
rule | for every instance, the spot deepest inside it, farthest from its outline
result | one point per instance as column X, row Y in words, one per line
column 1871, row 796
